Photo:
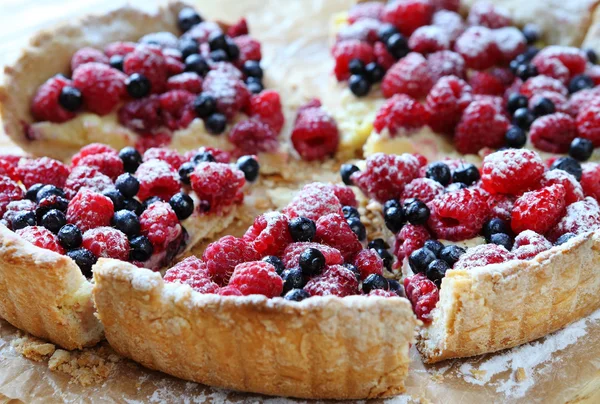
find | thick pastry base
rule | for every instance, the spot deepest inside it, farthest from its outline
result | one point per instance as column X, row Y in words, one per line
column 323, row 347
column 504, row 305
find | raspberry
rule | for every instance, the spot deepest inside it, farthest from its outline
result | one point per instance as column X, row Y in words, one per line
column 452, row 5
column 313, row 201
column 593, row 71
column 146, row 141
column 572, row 58
column 482, row 255
column 92, row 148
column 201, row 32
column 157, row 178
column 160, row 224
column 174, row 64
column 477, row 46
column 500, row 206
column 150, row 64
column 334, row 231
column 364, row 30
column 42, row 170
column 291, row 254
column 266, row 107
column 256, row 278
column 486, row 83
column 45, row 105
column 169, row 156
column 382, row 56
column 9, row 169
column 142, row 116
column 382, row 293
column 252, row 136
column 553, row 133
column 108, row 164
column 561, row 104
column 589, row 179
column 538, row 84
column 446, row 102
column 539, row 210
column 106, row 242
column 588, row 123
column 229, row 291
column 102, row 86
column 368, row 262
column 86, row 177
column 231, row 93
column 269, row 235
column 218, row 184
column 423, row 189
column 423, row 295
column 458, row 215
column 409, row 239
column 119, row 48
column 9, row 191
column 501, row 169
column 552, row 68
column 528, row 244
column 220, row 156
column 580, row 217
column 345, row 194
column 408, row 15
column 315, row 134
column 370, row 9
column 185, row 81
column 510, row 43
column 489, row 15
column 429, row 39
column 481, row 125
column 386, row 175
column 410, row 75
column 192, row 271
column 249, row 49
column 450, row 21
column 573, row 189
column 582, row 99
column 89, row 209
column 224, row 255
column 343, row 52
column 400, row 115
column 238, row 29
column 336, row 281
column 41, row 237
column 87, row 55
column 176, row 108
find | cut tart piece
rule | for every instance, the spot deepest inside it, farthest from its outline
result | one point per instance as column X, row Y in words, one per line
column 278, row 311
column 121, row 205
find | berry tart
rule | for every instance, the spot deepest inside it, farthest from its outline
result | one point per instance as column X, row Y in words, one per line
column 57, row 220
column 492, row 256
column 296, row 307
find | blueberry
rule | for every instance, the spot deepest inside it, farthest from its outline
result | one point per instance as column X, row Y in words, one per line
column 296, row 295
column 232, row 50
column 396, row 287
column 217, row 40
column 357, row 227
column 359, row 85
column 515, row 102
column 203, row 157
column 49, row 203
column 439, row 172
column 133, row 205
column 216, row 123
column 502, row 239
column 397, row 45
column 22, row 220
column 350, row 211
column 187, row 18
column 126, row 221
column 302, row 229
column 466, row 174
column 387, row 257
column 116, row 197
column 395, row 204
column 531, row 32
column 515, row 137
column 420, row 259
column 394, row 218
column 249, row 166
column 276, row 262
column 451, row 254
column 252, row 69
column 581, row 149
column 592, row 56
column 526, row 71
column 69, row 236
column 580, row 82
column 219, row 55
column 523, row 118
column 32, row 192
column 185, row 170
column 417, row 212
column 568, row 164
column 53, row 220
column 564, row 238
column 254, row 86
column 346, row 171
column 141, row 249
column 197, row 64
column 151, row 200
column 131, row 158
column 353, row 269
column 375, row 281
column 312, row 261
column 138, row 85
column 544, row 106
column 84, row 259
column 386, row 31
column 128, row 185
column 188, row 46
column 493, row 226
column 292, row 279
column 182, row 204
column 116, row 62
column 434, row 246
column 70, row 98
column 455, row 186
column 374, row 72
column 530, row 52
column 378, row 243
column 48, row 190
column 436, row 270
column 356, row 66
column 205, row 105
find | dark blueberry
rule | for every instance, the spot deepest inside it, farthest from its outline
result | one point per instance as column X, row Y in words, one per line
column 455, row 186
column 451, row 254
column 417, row 212
column 581, row 149
column 386, row 31
column 393, row 203
column 233, row 51
column 49, row 203
column 530, row 52
column 48, row 190
column 185, row 170
column 493, row 226
column 296, row 295
column 531, row 32
column 31, row 193
column 292, row 279
column 420, row 259
column 580, row 82
column 346, row 171
column 141, row 249
column 116, row 62
column 187, row 18
column 526, row 71
column 439, row 172
column 387, row 257
column 358, row 228
column 182, row 204
column 22, row 220
column 249, row 166
column 128, row 185
column 188, row 46
column 276, row 262
column 131, row 158
column 254, row 85
column 216, row 123
column 543, row 106
column 568, row 164
column 514, row 65
column 394, row 218
column 312, row 261
column 134, row 205
column 502, row 239
column 219, row 55
column 592, row 56
column 467, row 174
column 69, row 236
column 396, row 287
column 356, row 66
column 353, row 269
column 70, row 98
column 138, row 85
column 53, row 220
column 516, row 101
column 203, row 157
column 252, row 69
column 397, row 45
column 151, row 200
column 523, row 118
column 126, row 221
column 436, row 270
column 434, row 246
column 197, row 64
column 374, row 72
column 116, row 197
column 217, row 40
column 375, row 281
column 359, row 85
column 205, row 105
column 350, row 211
column 378, row 243
column 564, row 238
column 515, row 137
column 84, row 259
column 302, row 229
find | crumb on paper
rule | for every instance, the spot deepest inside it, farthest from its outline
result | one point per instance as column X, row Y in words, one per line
column 478, row 373
column 87, row 367
column 520, row 375
column 33, row 348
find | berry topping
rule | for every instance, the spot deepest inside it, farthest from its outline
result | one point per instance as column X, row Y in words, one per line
column 423, row 189
column 149, row 64
column 169, row 156
column 159, row 223
column 336, row 280
column 588, row 123
column 141, row 249
column 252, row 137
column 572, row 58
column 89, row 209
column 313, row 201
column 102, row 86
column 345, row 51
column 410, row 75
column 375, row 282
column 45, row 105
column 446, row 102
column 539, row 210
column 192, row 271
column 182, row 204
column 553, row 133
column 581, row 149
column 107, row 163
column 477, row 45
column 409, row 239
column 291, row 255
column 334, row 231
column 423, row 295
column 231, row 93
column 157, row 178
column 408, row 15
column 224, row 255
column 106, row 242
column 217, row 184
column 488, row 15
column 256, row 278
column 41, row 237
column 451, row 254
column 84, row 259
column 429, row 39
column 580, row 217
column 481, row 125
column 266, row 107
column 87, row 177
column 70, row 236
column 528, row 244
column 176, row 108
column 315, row 134
column 500, row 169
column 482, row 255
column 368, row 262
column 400, row 115
column 269, row 235
column 188, row 81
column 458, row 215
column 42, row 170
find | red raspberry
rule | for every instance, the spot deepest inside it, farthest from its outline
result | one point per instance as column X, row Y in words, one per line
column 343, row 52
column 580, row 217
column 102, row 86
column 84, row 176
column 458, row 215
column 477, row 46
column 192, row 271
column 312, row 103
column 87, row 55
column 589, row 179
column 382, row 56
column 452, row 5
column 15, row 207
column 370, row 9
column 336, row 280
column 408, row 15
column 482, row 255
column 108, row 164
column 345, row 194
column 423, row 295
column 42, row 170
column 560, row 101
column 423, row 189
column 588, row 123
column 45, row 106
column 231, row 93
column 386, row 175
column 481, row 125
column 315, row 134
column 528, row 244
column 174, row 64
column 291, row 254
column 489, row 15
column 106, row 242
column 160, row 224
column 9, row 169
column 89, row 209
column 229, row 291
column 400, row 115
column 256, row 278
column 446, row 102
column 573, row 189
column 145, row 141
column 150, row 64
column 143, row 116
column 41, row 237
column 92, row 148
column 252, row 136
column 501, row 206
column 486, row 83
column 249, row 49
column 218, row 184
column 510, row 43
column 429, row 39
column 169, row 156
column 538, row 84
column 224, row 255
column 201, row 32
column 119, row 48
column 157, row 178
column 500, row 171
column 409, row 239
column 269, row 235
column 552, row 68
column 582, row 99
column 382, row 293
column 539, row 210
column 9, row 191
column 266, row 107
column 451, row 22
column 505, row 76
column 364, row 30
column 185, row 81
column 238, row 29
column 593, row 71
column 313, row 201
column 368, row 262
column 553, row 133
column 220, row 156
column 572, row 58
column 177, row 109
column 410, row 75
column 334, row 231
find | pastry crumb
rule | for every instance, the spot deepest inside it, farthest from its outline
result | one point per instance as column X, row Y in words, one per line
column 33, row 348
column 520, row 375
column 87, row 367
column 478, row 374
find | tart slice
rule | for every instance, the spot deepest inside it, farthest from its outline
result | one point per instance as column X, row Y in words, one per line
column 58, row 220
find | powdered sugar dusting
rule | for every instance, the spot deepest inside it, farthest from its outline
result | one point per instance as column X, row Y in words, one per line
column 474, row 42
column 506, row 164
column 450, row 22
column 508, row 39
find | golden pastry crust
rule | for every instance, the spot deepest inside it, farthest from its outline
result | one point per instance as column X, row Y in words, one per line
column 324, row 347
column 504, row 305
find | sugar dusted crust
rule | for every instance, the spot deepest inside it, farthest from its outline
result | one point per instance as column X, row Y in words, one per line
column 324, row 347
